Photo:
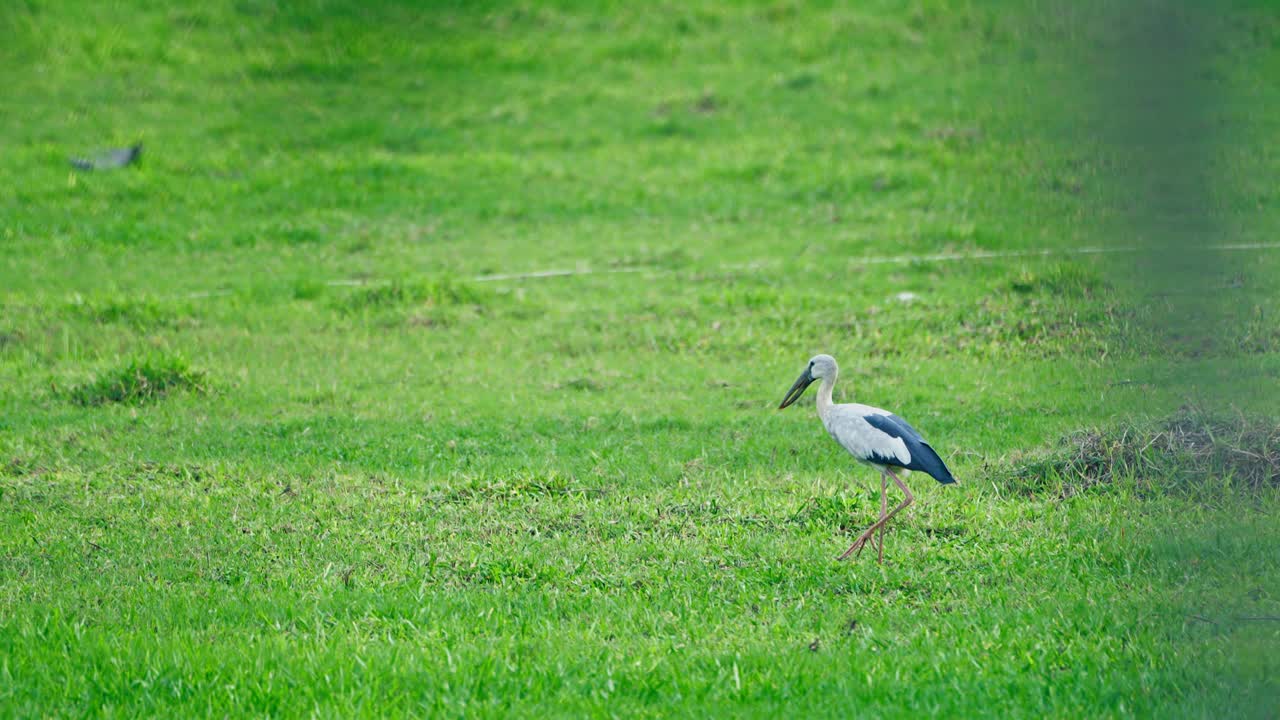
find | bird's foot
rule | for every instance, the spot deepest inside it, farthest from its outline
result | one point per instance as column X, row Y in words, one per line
column 856, row 548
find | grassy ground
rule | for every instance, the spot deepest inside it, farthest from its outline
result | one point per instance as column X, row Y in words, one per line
column 272, row 444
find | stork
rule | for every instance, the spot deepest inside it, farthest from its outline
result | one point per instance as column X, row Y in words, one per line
column 873, row 437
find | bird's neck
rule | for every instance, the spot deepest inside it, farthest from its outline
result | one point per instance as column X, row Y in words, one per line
column 824, row 395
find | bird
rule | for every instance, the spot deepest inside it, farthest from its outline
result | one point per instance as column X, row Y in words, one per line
column 873, row 437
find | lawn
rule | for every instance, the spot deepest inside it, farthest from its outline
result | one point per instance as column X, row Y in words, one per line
column 293, row 422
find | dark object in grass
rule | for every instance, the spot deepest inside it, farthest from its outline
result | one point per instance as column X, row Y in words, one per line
column 140, row 381
column 8, row 338
column 1191, row 446
column 109, row 159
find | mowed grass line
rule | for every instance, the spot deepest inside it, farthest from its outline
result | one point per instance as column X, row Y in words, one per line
column 573, row 496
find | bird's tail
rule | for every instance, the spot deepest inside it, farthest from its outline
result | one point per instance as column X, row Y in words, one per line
column 936, row 468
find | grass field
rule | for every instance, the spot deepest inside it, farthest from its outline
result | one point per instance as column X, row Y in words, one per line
column 281, row 434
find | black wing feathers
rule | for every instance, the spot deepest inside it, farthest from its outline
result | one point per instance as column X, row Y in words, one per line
column 923, row 458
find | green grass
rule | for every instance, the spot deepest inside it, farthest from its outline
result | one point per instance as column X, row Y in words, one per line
column 139, row 381
column 273, row 443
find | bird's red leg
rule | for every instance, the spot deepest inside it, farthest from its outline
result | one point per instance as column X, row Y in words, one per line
column 866, row 534
column 878, row 541
column 884, row 506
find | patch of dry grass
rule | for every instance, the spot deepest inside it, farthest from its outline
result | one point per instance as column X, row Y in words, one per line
column 1192, row 446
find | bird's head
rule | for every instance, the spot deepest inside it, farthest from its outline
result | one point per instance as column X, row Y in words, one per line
column 820, row 366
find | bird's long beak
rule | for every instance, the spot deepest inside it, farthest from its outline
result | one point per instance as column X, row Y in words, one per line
column 802, row 382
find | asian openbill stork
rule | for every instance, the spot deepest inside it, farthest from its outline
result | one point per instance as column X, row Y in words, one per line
column 872, row 436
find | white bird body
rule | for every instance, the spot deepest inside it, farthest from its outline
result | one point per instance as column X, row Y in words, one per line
column 872, row 436
column 848, row 425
